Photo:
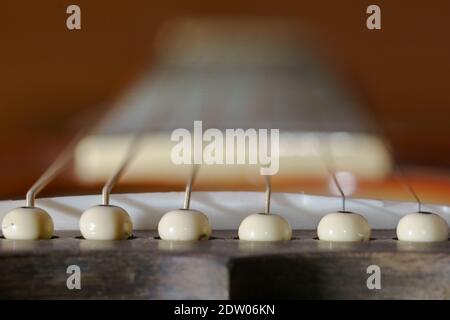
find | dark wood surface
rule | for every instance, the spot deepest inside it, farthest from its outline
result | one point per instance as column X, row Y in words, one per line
column 146, row 267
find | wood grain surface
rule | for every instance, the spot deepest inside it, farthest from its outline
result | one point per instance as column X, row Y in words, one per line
column 224, row 268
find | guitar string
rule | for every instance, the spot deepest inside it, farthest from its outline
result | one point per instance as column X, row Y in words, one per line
column 264, row 98
column 61, row 161
column 330, row 165
column 195, row 103
column 403, row 178
column 410, row 188
column 129, row 156
column 267, row 194
column 55, row 168
column 188, row 190
column 136, row 142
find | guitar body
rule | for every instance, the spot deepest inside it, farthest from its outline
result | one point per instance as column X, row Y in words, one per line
column 328, row 152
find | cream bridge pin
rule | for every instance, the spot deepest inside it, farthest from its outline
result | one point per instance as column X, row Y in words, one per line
column 421, row 226
column 105, row 221
column 31, row 222
column 265, row 226
column 343, row 226
column 185, row 224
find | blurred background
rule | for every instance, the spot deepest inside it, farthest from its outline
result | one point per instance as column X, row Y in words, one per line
column 52, row 80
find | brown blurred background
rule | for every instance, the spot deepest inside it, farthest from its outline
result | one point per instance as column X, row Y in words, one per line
column 50, row 76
